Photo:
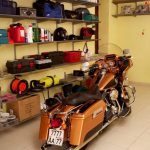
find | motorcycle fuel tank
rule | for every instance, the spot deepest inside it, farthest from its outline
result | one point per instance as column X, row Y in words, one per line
column 107, row 81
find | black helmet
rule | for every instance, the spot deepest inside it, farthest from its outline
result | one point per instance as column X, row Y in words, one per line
column 72, row 37
column 60, row 34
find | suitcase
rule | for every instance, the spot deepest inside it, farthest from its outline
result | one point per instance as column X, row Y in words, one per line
column 3, row 36
column 72, row 56
column 56, row 57
column 20, row 66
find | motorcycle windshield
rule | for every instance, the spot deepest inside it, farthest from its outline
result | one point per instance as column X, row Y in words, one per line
column 110, row 48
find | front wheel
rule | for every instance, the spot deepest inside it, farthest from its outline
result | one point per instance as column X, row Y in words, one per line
column 125, row 112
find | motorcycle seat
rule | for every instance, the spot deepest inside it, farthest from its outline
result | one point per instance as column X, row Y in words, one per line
column 80, row 98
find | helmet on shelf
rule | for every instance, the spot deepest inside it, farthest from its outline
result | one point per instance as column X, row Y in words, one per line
column 60, row 34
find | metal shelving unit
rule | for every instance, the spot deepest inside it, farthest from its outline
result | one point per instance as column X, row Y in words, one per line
column 42, row 19
column 8, row 75
column 80, row 2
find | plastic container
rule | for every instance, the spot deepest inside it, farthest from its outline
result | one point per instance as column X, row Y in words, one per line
column 18, row 33
column 29, row 34
column 72, row 56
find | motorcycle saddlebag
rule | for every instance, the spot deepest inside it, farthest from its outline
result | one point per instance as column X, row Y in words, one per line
column 56, row 57
column 20, row 66
column 87, row 122
column 45, row 124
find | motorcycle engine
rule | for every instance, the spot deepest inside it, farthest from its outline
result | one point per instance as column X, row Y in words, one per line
column 112, row 104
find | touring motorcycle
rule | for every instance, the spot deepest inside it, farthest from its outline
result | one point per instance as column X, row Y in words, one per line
column 79, row 117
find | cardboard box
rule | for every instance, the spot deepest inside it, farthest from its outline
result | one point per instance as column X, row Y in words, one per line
column 25, row 107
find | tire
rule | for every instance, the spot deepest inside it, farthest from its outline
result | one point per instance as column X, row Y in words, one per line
column 84, row 148
column 126, row 112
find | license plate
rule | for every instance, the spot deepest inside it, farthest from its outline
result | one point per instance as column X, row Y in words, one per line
column 55, row 137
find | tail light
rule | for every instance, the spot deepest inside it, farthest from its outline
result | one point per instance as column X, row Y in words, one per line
column 56, row 122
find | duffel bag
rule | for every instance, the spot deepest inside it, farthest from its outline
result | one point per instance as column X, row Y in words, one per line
column 70, row 14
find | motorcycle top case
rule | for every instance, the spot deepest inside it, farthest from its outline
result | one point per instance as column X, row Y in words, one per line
column 87, row 122
column 20, row 66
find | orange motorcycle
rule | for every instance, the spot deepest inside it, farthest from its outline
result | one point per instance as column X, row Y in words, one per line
column 79, row 117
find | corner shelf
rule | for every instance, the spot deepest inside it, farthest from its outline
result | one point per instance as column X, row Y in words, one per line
column 134, row 15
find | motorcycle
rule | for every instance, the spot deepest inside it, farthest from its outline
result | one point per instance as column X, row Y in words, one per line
column 78, row 118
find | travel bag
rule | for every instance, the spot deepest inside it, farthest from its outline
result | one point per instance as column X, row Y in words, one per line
column 8, row 7
column 47, row 8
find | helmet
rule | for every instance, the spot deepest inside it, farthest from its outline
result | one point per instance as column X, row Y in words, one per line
column 81, row 12
column 72, row 37
column 60, row 34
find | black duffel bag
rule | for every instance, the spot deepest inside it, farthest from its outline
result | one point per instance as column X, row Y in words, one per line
column 8, row 7
column 70, row 14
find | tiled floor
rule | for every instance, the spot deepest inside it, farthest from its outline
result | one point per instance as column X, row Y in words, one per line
column 132, row 133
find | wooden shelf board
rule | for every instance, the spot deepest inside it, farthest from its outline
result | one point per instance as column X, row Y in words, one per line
column 126, row 1
column 134, row 15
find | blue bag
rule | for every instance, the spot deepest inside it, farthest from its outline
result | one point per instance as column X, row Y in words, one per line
column 52, row 10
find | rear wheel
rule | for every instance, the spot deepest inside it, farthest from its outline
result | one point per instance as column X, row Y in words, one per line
column 84, row 148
